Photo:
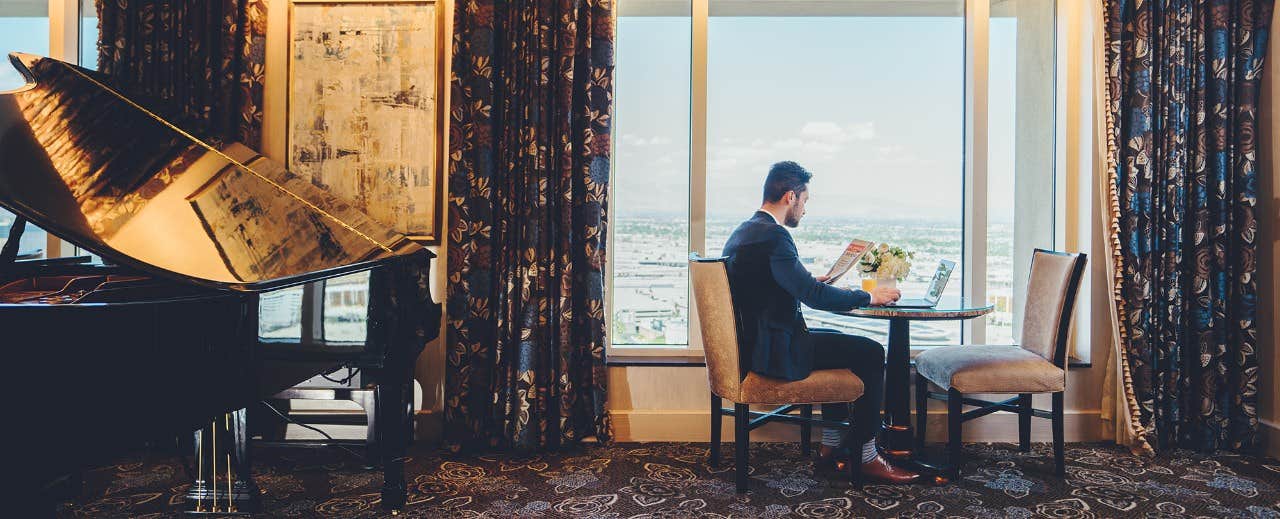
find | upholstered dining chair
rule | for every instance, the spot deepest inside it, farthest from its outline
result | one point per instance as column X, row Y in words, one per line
column 719, row 324
column 1038, row 364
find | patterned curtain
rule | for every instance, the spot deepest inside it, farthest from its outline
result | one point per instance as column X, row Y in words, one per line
column 1182, row 100
column 203, row 59
column 528, row 173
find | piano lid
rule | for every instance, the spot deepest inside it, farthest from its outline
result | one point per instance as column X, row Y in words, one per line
column 98, row 168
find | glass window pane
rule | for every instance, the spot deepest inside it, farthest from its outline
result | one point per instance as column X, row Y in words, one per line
column 346, row 308
column 24, row 27
column 280, row 314
column 1020, row 149
column 88, row 35
column 882, row 132
column 650, row 192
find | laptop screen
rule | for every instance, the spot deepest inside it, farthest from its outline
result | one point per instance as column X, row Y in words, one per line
column 939, row 280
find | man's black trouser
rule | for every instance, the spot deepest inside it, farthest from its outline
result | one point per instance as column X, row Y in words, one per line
column 865, row 358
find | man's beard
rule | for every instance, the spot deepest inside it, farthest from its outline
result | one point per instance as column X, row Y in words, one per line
column 792, row 218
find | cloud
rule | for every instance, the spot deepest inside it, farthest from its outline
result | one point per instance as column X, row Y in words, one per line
column 633, row 140
column 832, row 133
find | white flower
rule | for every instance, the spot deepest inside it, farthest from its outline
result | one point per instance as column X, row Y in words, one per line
column 886, row 261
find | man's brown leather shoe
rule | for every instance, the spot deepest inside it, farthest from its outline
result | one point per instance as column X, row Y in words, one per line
column 879, row 470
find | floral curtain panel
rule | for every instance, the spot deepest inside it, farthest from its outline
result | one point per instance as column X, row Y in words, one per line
column 205, row 59
column 528, row 174
column 1181, row 105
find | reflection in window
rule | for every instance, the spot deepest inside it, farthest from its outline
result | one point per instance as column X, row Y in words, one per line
column 884, row 141
column 651, row 174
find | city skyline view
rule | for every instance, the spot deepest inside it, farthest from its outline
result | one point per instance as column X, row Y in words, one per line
column 650, row 282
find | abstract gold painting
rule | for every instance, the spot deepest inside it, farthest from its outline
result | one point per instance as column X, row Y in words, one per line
column 363, row 116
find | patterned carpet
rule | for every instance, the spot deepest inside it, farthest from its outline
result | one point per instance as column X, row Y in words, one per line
column 673, row 480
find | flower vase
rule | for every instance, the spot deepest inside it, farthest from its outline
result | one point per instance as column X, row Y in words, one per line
column 886, row 282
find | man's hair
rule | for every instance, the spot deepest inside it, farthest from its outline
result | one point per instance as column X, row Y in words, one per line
column 783, row 177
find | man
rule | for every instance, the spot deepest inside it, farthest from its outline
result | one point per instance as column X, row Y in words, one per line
column 769, row 283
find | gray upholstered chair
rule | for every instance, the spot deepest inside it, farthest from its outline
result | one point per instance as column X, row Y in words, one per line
column 1037, row 365
column 719, row 324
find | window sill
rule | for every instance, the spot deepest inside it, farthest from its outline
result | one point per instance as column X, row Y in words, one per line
column 654, row 361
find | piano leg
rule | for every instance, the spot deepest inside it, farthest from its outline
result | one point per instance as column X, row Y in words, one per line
column 390, row 400
column 222, row 451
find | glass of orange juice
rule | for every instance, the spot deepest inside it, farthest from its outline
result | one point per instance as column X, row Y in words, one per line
column 868, row 284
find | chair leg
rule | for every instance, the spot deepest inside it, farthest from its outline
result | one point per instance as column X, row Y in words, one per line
column 855, row 454
column 954, row 447
column 1059, row 467
column 741, row 418
column 922, row 409
column 806, row 430
column 1024, row 422
column 717, row 422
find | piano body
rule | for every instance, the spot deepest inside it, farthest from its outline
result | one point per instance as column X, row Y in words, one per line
column 213, row 295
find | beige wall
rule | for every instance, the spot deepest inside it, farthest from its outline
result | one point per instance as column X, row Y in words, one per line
column 1268, row 250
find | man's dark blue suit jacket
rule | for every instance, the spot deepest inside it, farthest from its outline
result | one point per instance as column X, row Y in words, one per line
column 768, row 284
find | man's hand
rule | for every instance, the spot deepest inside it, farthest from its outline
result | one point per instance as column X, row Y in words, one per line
column 823, row 278
column 881, row 296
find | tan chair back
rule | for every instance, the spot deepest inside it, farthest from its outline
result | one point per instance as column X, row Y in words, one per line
column 1051, row 296
column 718, row 323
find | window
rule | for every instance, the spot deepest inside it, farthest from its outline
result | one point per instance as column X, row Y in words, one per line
column 877, row 99
column 346, row 308
column 88, row 34
column 1020, row 156
column 650, row 221
column 24, row 27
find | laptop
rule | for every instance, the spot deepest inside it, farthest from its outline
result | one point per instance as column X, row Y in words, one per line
column 934, row 293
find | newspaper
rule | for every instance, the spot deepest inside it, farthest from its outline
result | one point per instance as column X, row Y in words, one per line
column 852, row 254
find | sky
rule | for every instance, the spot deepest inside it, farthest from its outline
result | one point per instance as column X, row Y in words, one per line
column 874, row 107
column 31, row 35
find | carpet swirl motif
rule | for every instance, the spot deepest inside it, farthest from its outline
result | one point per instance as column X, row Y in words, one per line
column 673, row 480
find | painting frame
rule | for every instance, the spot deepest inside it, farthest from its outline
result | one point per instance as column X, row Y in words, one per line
column 431, row 235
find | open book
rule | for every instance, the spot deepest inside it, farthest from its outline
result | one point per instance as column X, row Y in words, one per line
column 852, row 254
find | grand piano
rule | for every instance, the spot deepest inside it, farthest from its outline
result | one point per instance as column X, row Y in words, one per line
column 207, row 249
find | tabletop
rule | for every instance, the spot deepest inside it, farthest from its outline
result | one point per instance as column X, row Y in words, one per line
column 948, row 308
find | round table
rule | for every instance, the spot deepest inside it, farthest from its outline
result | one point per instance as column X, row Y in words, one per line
column 897, row 381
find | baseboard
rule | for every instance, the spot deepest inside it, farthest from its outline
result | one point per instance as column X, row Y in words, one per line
column 1270, row 437
column 650, row 425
